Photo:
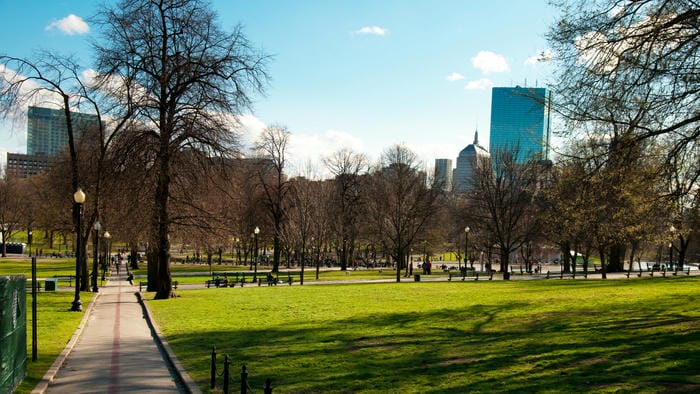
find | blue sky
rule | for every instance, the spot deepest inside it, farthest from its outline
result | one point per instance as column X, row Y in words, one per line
column 364, row 74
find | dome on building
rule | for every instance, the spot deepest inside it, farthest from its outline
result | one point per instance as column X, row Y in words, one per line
column 474, row 149
column 466, row 161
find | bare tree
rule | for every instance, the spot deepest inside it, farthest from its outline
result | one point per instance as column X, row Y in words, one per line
column 183, row 78
column 11, row 215
column 348, row 201
column 502, row 201
column 633, row 65
column 55, row 81
column 272, row 149
column 401, row 203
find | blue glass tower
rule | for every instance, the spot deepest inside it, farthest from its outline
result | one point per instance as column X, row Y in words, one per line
column 520, row 119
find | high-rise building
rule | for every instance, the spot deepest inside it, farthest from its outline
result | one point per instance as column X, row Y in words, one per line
column 47, row 136
column 443, row 174
column 467, row 160
column 47, row 133
column 520, row 120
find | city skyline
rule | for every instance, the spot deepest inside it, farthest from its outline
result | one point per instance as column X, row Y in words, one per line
column 364, row 75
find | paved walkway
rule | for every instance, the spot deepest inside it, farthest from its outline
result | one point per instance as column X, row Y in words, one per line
column 116, row 352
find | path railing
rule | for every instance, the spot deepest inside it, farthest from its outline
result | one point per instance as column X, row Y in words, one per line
column 226, row 376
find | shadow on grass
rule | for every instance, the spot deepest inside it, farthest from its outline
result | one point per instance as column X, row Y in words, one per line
column 481, row 348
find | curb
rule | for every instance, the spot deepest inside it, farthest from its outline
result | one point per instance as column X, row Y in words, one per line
column 49, row 376
column 185, row 379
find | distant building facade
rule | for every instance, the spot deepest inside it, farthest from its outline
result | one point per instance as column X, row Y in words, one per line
column 47, row 136
column 443, row 174
column 47, row 132
column 520, row 118
column 23, row 166
column 466, row 163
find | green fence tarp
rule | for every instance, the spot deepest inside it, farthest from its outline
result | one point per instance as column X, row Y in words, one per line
column 13, row 332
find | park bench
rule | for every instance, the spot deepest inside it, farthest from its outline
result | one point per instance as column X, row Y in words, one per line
column 560, row 274
column 472, row 274
column 29, row 286
column 143, row 284
column 231, row 279
column 217, row 282
column 68, row 278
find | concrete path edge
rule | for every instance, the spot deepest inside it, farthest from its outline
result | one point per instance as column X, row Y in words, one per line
column 185, row 379
column 50, row 374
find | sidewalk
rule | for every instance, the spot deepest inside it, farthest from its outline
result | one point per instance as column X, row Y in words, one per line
column 116, row 351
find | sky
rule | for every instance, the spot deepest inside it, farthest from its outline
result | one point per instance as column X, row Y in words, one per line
column 358, row 74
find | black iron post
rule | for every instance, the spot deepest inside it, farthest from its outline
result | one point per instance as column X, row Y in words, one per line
column 96, row 255
column 34, row 325
column 466, row 247
column 226, row 374
column 213, row 367
column 244, row 380
column 79, row 199
column 255, row 237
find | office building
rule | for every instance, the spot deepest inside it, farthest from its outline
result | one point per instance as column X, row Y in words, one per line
column 520, row 120
column 24, row 166
column 443, row 174
column 467, row 161
column 47, row 132
column 47, row 136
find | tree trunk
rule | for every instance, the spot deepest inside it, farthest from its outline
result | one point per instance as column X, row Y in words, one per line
column 616, row 261
column 566, row 256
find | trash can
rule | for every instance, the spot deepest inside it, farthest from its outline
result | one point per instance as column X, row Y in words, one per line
column 50, row 284
column 416, row 278
column 506, row 276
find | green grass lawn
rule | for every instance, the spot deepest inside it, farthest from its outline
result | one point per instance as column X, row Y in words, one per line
column 521, row 336
column 55, row 326
column 45, row 268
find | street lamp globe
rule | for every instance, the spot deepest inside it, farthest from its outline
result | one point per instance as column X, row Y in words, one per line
column 79, row 196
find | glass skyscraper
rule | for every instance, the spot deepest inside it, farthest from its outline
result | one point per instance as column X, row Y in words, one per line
column 47, row 133
column 520, row 119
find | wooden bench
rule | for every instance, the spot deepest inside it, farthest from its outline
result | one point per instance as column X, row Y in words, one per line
column 28, row 287
column 472, row 274
column 561, row 274
column 143, row 284
column 68, row 278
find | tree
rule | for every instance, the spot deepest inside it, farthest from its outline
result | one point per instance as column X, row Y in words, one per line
column 53, row 80
column 502, row 201
column 272, row 149
column 401, row 203
column 633, row 65
column 348, row 201
column 11, row 216
column 183, row 78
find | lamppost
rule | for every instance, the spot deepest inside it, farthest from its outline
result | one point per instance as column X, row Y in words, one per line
column 96, row 244
column 106, row 261
column 466, row 247
column 79, row 199
column 29, row 241
column 670, row 246
column 255, row 237
column 238, row 251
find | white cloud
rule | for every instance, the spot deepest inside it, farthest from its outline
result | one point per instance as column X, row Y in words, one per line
column 541, row 56
column 488, row 62
column 71, row 25
column 454, row 77
column 311, row 148
column 479, row 84
column 375, row 30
